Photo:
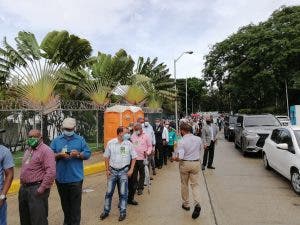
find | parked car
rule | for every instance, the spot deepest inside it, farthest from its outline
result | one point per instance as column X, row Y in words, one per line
column 229, row 124
column 251, row 131
column 284, row 120
column 282, row 153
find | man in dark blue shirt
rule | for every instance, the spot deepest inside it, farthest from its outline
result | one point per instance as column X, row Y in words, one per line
column 70, row 150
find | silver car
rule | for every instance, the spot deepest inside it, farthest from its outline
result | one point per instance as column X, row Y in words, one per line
column 251, row 131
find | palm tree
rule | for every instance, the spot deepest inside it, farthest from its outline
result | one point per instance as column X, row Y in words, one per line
column 159, row 87
column 34, row 70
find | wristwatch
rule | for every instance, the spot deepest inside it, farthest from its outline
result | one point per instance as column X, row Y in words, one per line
column 2, row 197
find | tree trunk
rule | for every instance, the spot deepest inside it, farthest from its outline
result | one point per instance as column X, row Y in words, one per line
column 101, row 126
column 45, row 129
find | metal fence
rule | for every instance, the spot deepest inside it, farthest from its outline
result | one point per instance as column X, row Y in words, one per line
column 18, row 121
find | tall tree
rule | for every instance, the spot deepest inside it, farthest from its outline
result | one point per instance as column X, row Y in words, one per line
column 253, row 64
column 34, row 70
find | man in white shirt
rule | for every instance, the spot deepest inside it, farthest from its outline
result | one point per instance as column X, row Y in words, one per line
column 120, row 160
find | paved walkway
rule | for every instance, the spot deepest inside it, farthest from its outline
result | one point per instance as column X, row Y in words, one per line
column 161, row 207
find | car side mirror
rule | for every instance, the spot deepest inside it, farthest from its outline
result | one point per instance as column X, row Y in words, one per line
column 239, row 125
column 282, row 146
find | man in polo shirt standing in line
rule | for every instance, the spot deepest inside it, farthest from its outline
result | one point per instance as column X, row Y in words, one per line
column 119, row 162
column 37, row 177
column 188, row 155
column 70, row 150
column 6, row 177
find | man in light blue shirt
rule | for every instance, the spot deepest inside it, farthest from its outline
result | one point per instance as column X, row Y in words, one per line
column 70, row 150
column 148, row 129
column 6, row 177
column 120, row 160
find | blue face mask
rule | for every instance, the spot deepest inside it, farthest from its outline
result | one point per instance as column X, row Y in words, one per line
column 126, row 137
column 69, row 133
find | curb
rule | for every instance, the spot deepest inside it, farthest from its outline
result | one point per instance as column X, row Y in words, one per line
column 88, row 170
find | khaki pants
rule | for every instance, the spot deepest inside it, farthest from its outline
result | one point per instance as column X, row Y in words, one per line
column 189, row 172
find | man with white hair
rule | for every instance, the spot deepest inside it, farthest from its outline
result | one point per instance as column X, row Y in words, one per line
column 70, row 150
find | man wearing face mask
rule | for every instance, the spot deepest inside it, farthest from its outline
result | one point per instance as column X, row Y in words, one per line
column 119, row 162
column 162, row 138
column 209, row 137
column 148, row 129
column 36, row 178
column 143, row 147
column 6, row 178
column 70, row 150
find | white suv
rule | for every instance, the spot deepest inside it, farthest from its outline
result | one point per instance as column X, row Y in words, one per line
column 282, row 152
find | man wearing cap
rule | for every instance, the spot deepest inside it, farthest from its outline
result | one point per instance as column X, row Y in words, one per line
column 6, row 177
column 70, row 150
column 188, row 155
column 209, row 137
column 37, row 177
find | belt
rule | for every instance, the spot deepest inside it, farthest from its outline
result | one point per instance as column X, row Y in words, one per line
column 197, row 160
column 119, row 168
column 31, row 184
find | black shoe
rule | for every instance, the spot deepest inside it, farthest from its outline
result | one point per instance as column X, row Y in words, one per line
column 132, row 202
column 139, row 192
column 196, row 212
column 103, row 215
column 122, row 217
column 211, row 167
column 203, row 167
column 186, row 208
column 151, row 178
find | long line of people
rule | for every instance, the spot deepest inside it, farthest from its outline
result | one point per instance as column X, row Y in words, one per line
column 135, row 148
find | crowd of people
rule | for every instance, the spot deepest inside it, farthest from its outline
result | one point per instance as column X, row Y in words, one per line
column 131, row 159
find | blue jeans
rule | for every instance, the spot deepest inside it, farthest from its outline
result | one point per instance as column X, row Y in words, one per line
column 3, row 210
column 121, row 178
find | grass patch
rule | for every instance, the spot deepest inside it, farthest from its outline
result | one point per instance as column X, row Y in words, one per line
column 18, row 156
column 93, row 146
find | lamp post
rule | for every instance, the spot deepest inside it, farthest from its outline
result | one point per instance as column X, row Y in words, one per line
column 176, row 104
column 186, row 95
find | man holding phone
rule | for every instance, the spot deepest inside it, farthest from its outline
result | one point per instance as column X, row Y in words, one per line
column 70, row 150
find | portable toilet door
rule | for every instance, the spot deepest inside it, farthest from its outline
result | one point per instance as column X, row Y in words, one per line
column 127, row 117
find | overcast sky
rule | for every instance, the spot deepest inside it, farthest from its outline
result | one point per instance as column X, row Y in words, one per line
column 162, row 28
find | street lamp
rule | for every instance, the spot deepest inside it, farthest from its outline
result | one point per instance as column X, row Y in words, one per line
column 176, row 106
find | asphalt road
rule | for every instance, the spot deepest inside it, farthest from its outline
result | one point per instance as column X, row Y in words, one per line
column 240, row 192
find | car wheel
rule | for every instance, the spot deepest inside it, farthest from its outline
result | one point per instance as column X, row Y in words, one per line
column 235, row 144
column 266, row 162
column 295, row 181
column 243, row 148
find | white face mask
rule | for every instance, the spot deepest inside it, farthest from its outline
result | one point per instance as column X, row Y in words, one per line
column 167, row 125
column 157, row 124
column 146, row 124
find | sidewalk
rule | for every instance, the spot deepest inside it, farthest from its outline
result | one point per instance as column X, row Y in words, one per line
column 161, row 207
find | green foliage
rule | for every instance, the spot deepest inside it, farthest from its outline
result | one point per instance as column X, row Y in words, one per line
column 252, row 65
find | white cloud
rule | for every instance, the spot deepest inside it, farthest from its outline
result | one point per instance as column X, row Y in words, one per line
column 163, row 28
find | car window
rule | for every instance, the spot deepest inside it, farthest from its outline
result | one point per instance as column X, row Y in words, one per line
column 274, row 136
column 261, row 121
column 297, row 134
column 232, row 119
column 240, row 120
column 285, row 137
